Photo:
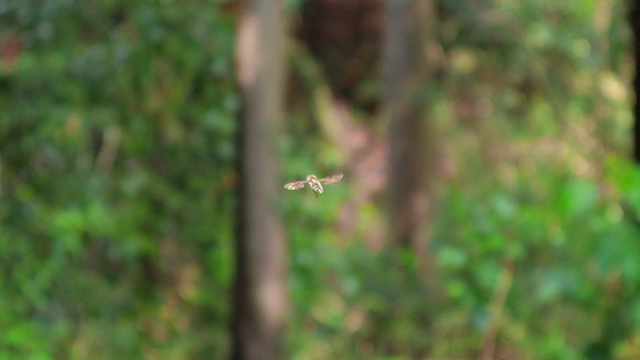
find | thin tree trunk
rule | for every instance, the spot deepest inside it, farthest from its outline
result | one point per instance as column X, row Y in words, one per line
column 634, row 20
column 405, row 76
column 260, row 295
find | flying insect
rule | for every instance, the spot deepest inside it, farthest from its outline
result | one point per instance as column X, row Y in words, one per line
column 314, row 183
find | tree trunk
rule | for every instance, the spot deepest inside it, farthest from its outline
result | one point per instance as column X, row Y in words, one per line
column 260, row 295
column 634, row 20
column 405, row 76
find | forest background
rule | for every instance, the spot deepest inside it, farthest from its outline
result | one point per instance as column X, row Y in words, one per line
column 121, row 179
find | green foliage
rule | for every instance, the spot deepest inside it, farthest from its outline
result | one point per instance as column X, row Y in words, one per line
column 537, row 207
column 117, row 143
column 116, row 179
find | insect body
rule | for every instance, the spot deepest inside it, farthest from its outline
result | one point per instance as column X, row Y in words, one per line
column 314, row 183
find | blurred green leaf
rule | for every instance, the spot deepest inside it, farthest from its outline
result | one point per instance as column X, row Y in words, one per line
column 577, row 197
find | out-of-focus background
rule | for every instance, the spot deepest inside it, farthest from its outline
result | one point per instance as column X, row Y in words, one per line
column 490, row 206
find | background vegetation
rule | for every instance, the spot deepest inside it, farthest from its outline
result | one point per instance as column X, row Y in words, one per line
column 118, row 124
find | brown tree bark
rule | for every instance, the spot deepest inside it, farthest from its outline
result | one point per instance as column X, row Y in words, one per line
column 634, row 20
column 260, row 295
column 406, row 65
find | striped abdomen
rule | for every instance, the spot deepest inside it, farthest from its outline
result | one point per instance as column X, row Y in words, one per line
column 315, row 184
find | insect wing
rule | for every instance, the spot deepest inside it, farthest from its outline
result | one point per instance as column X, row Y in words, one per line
column 331, row 179
column 296, row 185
